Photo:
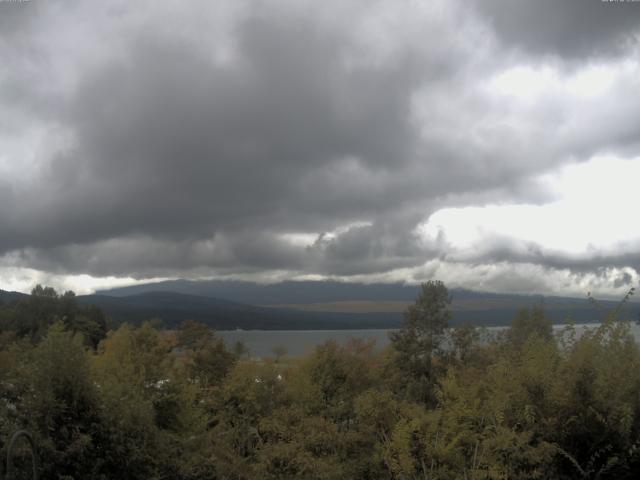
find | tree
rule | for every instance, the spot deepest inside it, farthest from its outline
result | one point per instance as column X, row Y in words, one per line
column 207, row 359
column 64, row 410
column 193, row 335
column 147, row 404
column 527, row 323
column 44, row 292
column 32, row 316
column 279, row 351
column 464, row 340
column 91, row 322
column 339, row 374
column 417, row 344
column 240, row 349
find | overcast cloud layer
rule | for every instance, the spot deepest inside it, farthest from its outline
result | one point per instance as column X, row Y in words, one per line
column 361, row 140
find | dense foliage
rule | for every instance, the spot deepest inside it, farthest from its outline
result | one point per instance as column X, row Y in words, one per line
column 439, row 403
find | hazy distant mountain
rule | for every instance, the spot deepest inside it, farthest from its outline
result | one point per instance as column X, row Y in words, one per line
column 173, row 308
column 277, row 293
column 316, row 304
column 301, row 292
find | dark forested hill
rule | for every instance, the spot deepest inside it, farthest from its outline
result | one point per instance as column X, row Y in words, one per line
column 277, row 293
column 10, row 296
column 173, row 308
column 321, row 305
column 382, row 303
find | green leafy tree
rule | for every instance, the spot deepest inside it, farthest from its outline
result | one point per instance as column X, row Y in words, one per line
column 464, row 341
column 149, row 408
column 296, row 445
column 418, row 344
column 62, row 406
column 31, row 317
column 205, row 355
column 250, row 393
column 528, row 322
column 339, row 374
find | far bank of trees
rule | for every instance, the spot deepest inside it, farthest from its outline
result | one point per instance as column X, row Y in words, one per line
column 438, row 403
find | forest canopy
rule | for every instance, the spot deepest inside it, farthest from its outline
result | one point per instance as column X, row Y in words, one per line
column 138, row 402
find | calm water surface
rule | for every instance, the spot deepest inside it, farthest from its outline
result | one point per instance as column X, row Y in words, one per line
column 261, row 343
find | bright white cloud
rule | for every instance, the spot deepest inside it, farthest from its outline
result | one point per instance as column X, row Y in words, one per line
column 525, row 82
column 531, row 83
column 592, row 215
column 24, row 279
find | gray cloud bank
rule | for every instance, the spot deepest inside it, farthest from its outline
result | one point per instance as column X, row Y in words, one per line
column 572, row 29
column 185, row 139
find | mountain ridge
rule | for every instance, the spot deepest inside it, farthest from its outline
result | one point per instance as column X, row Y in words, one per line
column 478, row 308
column 314, row 291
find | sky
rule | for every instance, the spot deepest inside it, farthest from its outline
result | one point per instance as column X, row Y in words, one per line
column 491, row 144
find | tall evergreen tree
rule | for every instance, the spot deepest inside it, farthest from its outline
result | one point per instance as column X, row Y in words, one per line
column 417, row 344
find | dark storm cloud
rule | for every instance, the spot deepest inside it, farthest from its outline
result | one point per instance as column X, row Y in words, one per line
column 369, row 249
column 195, row 142
column 362, row 249
column 568, row 28
column 145, row 257
column 168, row 142
column 297, row 132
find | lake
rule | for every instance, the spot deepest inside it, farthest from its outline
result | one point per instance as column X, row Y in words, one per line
column 301, row 342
